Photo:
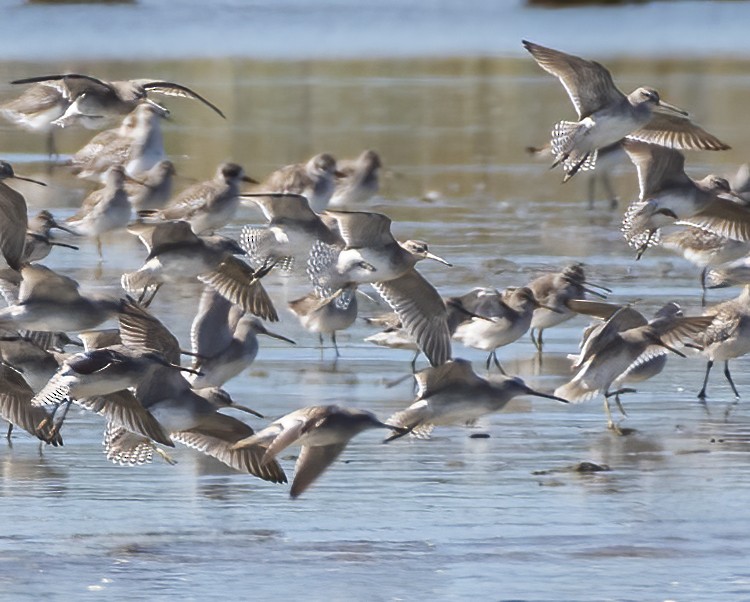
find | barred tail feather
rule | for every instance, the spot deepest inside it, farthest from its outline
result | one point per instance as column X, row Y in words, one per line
column 136, row 282
column 320, row 268
column 575, row 392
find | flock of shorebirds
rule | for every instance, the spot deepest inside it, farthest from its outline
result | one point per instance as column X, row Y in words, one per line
column 134, row 377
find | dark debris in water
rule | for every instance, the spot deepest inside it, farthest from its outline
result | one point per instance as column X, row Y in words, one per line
column 580, row 468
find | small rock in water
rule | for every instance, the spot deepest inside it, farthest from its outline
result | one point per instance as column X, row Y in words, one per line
column 479, row 436
column 591, row 467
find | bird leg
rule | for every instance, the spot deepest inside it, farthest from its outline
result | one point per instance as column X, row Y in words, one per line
column 497, row 362
column 616, row 395
column 574, row 170
column 148, row 294
column 702, row 394
column 393, row 383
column 644, row 247
column 613, row 200
column 335, row 346
column 610, row 423
column 414, row 362
column 10, row 430
column 704, row 271
column 535, row 340
column 729, row 378
column 49, row 435
column 51, row 146
column 165, row 456
column 592, row 190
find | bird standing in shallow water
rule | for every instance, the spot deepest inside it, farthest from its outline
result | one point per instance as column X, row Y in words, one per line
column 727, row 336
column 327, row 315
column 556, row 291
column 314, row 179
column 207, row 206
column 358, row 181
column 501, row 318
column 104, row 210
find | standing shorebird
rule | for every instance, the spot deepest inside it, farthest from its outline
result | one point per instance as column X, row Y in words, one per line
column 668, row 194
column 153, row 188
column 137, row 144
column 616, row 348
column 501, row 318
column 359, row 180
column 555, row 291
column 224, row 340
column 372, row 255
column 606, row 115
column 454, row 394
column 210, row 205
column 91, row 102
column 15, row 218
column 322, row 431
column 327, row 315
column 104, row 210
column 705, row 250
column 314, row 180
column 727, row 336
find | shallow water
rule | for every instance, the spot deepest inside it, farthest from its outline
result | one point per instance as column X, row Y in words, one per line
column 501, row 517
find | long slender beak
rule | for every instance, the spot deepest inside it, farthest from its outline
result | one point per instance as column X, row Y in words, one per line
column 672, row 349
column 466, row 312
column 364, row 294
column 25, row 179
column 673, row 109
column 591, row 291
column 550, row 308
column 530, row 391
column 400, row 431
column 63, row 244
column 251, row 196
column 186, row 369
column 163, row 111
column 246, row 409
column 129, row 178
column 273, row 335
column 437, row 258
column 54, row 224
column 599, row 286
column 250, row 180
